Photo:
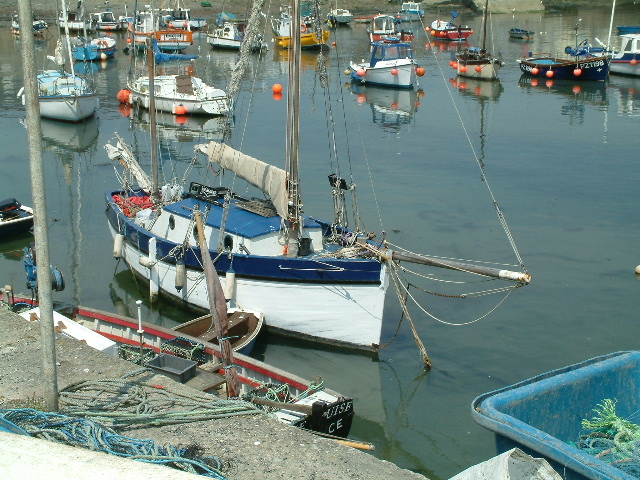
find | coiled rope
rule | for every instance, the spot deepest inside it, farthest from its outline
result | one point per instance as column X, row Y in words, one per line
column 85, row 433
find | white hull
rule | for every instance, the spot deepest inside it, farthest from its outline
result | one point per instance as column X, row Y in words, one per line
column 382, row 73
column 69, row 108
column 625, row 68
column 220, row 42
column 335, row 314
column 192, row 107
column 489, row 71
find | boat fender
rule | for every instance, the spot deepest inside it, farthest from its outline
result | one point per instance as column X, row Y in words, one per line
column 147, row 262
column 439, row 24
column 20, row 92
column 303, row 28
column 181, row 274
column 118, row 243
column 229, row 284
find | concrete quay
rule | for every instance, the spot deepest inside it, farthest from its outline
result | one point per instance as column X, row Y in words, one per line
column 248, row 447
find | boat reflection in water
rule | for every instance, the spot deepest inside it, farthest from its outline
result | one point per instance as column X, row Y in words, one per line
column 479, row 89
column 578, row 95
column 444, row 45
column 391, row 107
column 625, row 93
column 183, row 128
column 73, row 137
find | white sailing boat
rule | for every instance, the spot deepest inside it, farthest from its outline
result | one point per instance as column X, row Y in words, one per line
column 63, row 95
column 474, row 62
column 312, row 278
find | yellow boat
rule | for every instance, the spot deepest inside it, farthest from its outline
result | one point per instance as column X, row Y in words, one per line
column 281, row 27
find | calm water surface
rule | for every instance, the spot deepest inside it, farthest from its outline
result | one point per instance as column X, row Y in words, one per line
column 561, row 161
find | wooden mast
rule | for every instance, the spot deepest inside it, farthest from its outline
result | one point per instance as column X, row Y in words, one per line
column 484, row 25
column 294, row 220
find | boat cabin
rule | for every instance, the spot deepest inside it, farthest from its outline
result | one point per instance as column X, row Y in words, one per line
column 390, row 50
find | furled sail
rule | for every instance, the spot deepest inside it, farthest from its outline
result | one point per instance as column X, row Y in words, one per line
column 269, row 179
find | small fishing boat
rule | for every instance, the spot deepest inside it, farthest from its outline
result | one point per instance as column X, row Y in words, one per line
column 39, row 26
column 339, row 16
column 545, row 415
column 74, row 21
column 106, row 21
column 411, row 12
column 521, row 33
column 626, row 60
column 101, row 48
column 384, row 26
column 197, row 364
column 474, row 62
column 173, row 37
column 574, row 68
column 309, row 39
column 14, row 217
column 447, row 30
column 391, row 64
column 230, row 35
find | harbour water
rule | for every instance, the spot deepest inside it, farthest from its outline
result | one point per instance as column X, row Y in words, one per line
column 561, row 161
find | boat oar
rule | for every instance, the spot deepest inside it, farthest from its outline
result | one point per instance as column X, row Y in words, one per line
column 218, row 309
column 344, row 441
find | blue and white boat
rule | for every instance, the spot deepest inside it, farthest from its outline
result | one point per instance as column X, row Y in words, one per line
column 628, row 29
column 626, row 60
column 39, row 26
column 391, row 64
column 312, row 278
column 101, row 48
column 106, row 21
column 411, row 12
column 14, row 217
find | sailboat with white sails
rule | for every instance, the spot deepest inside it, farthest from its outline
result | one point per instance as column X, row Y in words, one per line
column 312, row 278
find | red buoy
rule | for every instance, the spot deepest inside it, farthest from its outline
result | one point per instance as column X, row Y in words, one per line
column 633, row 62
column 277, row 88
column 361, row 72
column 549, row 73
column 420, row 71
column 577, row 72
column 394, row 71
column 534, row 70
column 181, row 110
column 478, row 68
column 124, row 96
column 463, row 68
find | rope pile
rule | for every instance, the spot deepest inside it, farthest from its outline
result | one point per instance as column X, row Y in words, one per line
column 612, row 439
column 123, row 404
column 81, row 432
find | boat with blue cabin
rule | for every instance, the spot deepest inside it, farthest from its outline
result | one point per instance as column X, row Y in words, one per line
column 391, row 64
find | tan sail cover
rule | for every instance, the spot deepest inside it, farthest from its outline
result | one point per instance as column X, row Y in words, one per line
column 269, row 179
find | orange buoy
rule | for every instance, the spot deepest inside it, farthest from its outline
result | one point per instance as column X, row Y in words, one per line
column 463, row 68
column 478, row 68
column 361, row 72
column 454, row 65
column 577, row 72
column 277, row 88
column 394, row 106
column 394, row 71
column 420, row 71
column 181, row 110
column 433, row 33
column 128, row 40
column 277, row 96
column 534, row 70
column 124, row 96
column 633, row 62
column 549, row 73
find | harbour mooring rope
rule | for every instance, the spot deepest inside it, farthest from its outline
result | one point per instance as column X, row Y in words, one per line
column 85, row 433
